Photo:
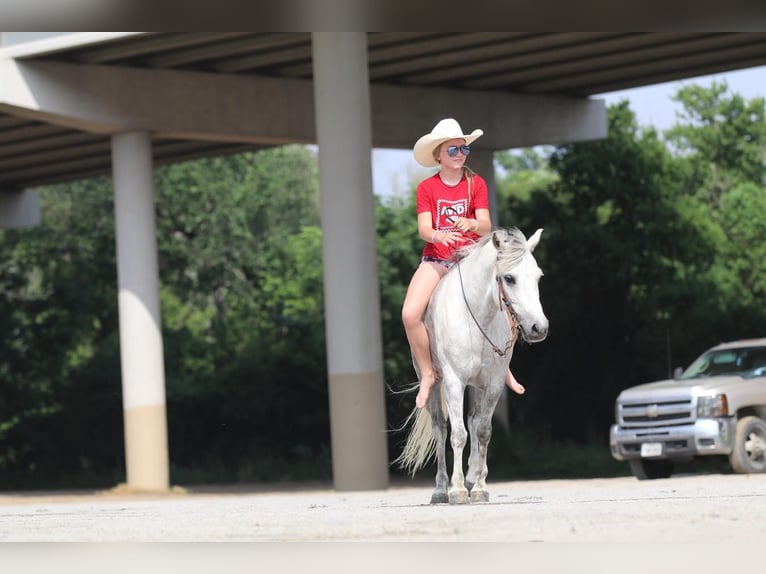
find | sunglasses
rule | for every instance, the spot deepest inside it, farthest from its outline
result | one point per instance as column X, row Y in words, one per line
column 453, row 149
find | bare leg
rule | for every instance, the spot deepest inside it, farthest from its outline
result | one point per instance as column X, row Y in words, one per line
column 420, row 346
column 513, row 384
column 510, row 380
column 423, row 282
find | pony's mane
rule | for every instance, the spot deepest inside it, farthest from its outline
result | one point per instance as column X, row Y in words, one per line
column 514, row 247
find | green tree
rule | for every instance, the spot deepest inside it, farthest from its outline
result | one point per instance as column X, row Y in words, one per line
column 59, row 369
column 240, row 253
column 720, row 170
column 240, row 271
column 399, row 248
column 522, row 172
column 652, row 252
column 611, row 246
column 721, row 138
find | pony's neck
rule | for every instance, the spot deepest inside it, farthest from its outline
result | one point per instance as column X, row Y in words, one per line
column 479, row 273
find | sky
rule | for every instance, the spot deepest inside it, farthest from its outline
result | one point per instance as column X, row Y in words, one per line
column 393, row 170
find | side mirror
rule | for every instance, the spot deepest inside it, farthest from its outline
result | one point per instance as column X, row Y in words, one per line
column 677, row 372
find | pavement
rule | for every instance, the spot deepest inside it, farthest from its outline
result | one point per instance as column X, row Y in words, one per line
column 683, row 516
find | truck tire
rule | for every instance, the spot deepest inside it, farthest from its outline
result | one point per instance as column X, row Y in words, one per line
column 644, row 469
column 749, row 454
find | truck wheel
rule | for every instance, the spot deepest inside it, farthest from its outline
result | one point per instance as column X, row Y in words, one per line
column 749, row 454
column 644, row 469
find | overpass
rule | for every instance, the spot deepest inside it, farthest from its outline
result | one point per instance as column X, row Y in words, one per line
column 76, row 105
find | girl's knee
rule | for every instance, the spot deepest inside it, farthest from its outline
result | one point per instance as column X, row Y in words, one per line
column 411, row 316
column 412, row 311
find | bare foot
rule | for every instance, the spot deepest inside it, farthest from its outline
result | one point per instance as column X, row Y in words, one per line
column 425, row 389
column 517, row 387
column 513, row 384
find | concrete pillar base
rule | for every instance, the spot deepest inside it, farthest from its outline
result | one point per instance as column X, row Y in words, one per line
column 146, row 451
column 358, row 427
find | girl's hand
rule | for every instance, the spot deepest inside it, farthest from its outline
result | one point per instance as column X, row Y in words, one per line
column 448, row 237
column 465, row 224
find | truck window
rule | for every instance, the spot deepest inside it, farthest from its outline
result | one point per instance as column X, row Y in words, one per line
column 745, row 361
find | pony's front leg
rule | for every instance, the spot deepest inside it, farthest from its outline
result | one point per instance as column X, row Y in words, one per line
column 458, row 493
column 481, row 429
column 476, row 396
column 439, row 430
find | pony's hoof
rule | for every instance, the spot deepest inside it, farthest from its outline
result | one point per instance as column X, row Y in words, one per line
column 458, row 497
column 479, row 496
column 439, row 497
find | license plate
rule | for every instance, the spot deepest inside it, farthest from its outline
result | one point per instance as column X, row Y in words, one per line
column 649, row 449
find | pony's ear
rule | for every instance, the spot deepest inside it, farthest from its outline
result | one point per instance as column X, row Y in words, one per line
column 498, row 236
column 534, row 240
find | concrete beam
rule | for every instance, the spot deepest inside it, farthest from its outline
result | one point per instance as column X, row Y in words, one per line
column 184, row 105
column 251, row 109
column 19, row 209
column 401, row 115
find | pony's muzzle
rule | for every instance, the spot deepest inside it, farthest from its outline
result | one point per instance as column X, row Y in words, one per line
column 536, row 333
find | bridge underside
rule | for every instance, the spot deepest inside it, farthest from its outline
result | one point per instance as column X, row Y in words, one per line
column 79, row 105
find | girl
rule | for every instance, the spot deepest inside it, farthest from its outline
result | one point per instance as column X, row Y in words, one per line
column 453, row 207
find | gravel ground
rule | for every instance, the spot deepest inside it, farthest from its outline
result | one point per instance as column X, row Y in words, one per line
column 685, row 524
column 683, row 509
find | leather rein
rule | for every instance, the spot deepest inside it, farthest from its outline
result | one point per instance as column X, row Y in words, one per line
column 505, row 305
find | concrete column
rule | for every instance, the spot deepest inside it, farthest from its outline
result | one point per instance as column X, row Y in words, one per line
column 19, row 209
column 352, row 303
column 482, row 162
column 141, row 351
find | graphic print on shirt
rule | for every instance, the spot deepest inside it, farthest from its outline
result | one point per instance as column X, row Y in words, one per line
column 448, row 212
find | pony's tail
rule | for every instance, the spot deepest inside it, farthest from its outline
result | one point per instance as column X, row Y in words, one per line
column 420, row 446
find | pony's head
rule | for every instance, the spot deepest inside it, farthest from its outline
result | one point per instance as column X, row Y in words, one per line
column 518, row 277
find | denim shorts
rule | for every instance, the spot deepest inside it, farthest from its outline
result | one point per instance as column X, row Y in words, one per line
column 443, row 262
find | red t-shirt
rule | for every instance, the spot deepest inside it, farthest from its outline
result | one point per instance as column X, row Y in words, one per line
column 444, row 203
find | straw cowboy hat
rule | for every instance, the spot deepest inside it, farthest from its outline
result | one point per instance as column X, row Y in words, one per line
column 446, row 129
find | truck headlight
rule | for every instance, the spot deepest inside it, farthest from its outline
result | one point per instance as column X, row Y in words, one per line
column 712, row 406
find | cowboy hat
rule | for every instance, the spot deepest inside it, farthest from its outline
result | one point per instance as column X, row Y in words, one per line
column 446, row 129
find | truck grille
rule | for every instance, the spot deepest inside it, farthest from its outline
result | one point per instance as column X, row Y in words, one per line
column 652, row 414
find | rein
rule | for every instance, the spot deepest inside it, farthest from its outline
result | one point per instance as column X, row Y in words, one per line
column 503, row 302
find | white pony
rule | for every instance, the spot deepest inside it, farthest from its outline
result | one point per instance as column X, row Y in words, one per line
column 473, row 318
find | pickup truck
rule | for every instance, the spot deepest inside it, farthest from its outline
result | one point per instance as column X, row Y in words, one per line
column 717, row 406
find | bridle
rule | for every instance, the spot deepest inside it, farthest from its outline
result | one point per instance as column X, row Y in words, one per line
column 502, row 300
column 505, row 305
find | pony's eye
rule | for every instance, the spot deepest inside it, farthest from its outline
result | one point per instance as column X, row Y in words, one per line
column 510, row 279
